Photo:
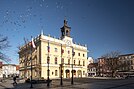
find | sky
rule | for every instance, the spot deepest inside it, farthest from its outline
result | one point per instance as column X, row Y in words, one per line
column 103, row 25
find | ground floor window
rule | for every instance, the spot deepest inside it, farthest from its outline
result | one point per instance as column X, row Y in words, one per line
column 83, row 72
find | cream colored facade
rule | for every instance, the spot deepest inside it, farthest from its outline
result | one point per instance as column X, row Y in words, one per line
column 40, row 55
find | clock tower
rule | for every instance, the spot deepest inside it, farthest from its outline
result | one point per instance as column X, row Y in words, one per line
column 65, row 30
column 65, row 34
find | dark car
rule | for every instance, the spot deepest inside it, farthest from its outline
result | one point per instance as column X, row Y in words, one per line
column 37, row 80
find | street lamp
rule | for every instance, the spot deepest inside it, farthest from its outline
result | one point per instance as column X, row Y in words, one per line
column 48, row 59
column 72, row 81
column 31, row 73
column 61, row 83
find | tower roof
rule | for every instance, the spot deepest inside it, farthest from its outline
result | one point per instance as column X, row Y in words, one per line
column 65, row 30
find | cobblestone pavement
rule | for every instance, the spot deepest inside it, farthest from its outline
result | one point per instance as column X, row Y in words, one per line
column 79, row 83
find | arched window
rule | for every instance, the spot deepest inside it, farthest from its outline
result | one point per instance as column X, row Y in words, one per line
column 67, row 33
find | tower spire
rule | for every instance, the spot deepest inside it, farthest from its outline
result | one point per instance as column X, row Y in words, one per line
column 65, row 30
column 65, row 21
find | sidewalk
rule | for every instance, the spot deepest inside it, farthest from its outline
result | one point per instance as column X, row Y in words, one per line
column 56, row 84
column 105, row 78
column 53, row 85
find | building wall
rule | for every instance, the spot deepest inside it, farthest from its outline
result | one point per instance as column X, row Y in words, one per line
column 92, row 69
column 40, row 54
column 124, row 64
column 9, row 70
column 127, row 61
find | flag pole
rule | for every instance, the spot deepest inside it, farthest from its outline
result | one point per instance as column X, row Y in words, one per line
column 31, row 65
column 48, row 60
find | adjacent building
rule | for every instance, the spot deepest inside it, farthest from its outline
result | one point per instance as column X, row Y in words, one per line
column 118, row 66
column 62, row 56
column 92, row 69
column 9, row 70
column 127, row 64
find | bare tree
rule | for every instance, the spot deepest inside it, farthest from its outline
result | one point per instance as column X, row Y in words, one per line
column 111, row 62
column 112, row 54
column 4, row 43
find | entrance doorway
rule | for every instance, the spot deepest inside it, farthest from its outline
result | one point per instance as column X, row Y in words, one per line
column 67, row 73
column 79, row 73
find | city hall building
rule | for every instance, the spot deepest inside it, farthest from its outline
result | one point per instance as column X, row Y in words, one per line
column 53, row 57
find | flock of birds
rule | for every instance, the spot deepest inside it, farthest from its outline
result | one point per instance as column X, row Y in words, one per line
column 15, row 20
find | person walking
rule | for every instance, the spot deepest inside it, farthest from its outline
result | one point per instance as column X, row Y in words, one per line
column 14, row 79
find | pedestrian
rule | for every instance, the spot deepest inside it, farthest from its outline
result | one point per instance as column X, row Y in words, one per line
column 14, row 79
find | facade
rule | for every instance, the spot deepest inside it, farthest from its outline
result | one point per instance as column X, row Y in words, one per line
column 60, row 55
column 127, row 62
column 121, row 65
column 103, row 70
column 9, row 70
column 92, row 69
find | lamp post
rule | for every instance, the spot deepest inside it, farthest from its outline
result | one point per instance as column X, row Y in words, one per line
column 48, row 80
column 72, row 81
column 31, row 74
column 61, row 83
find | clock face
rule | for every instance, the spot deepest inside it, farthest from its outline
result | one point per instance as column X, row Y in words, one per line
column 68, row 42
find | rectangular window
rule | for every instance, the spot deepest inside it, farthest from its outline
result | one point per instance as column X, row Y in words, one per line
column 74, row 62
column 83, row 63
column 56, row 73
column 83, row 55
column 79, row 63
column 55, row 49
column 73, row 53
column 78, row 54
column 56, row 60
column 68, row 52
column 68, row 61
column 62, row 61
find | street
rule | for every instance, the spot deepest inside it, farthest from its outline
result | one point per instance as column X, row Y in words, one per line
column 79, row 83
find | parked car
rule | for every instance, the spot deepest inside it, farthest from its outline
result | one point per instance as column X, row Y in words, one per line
column 37, row 80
